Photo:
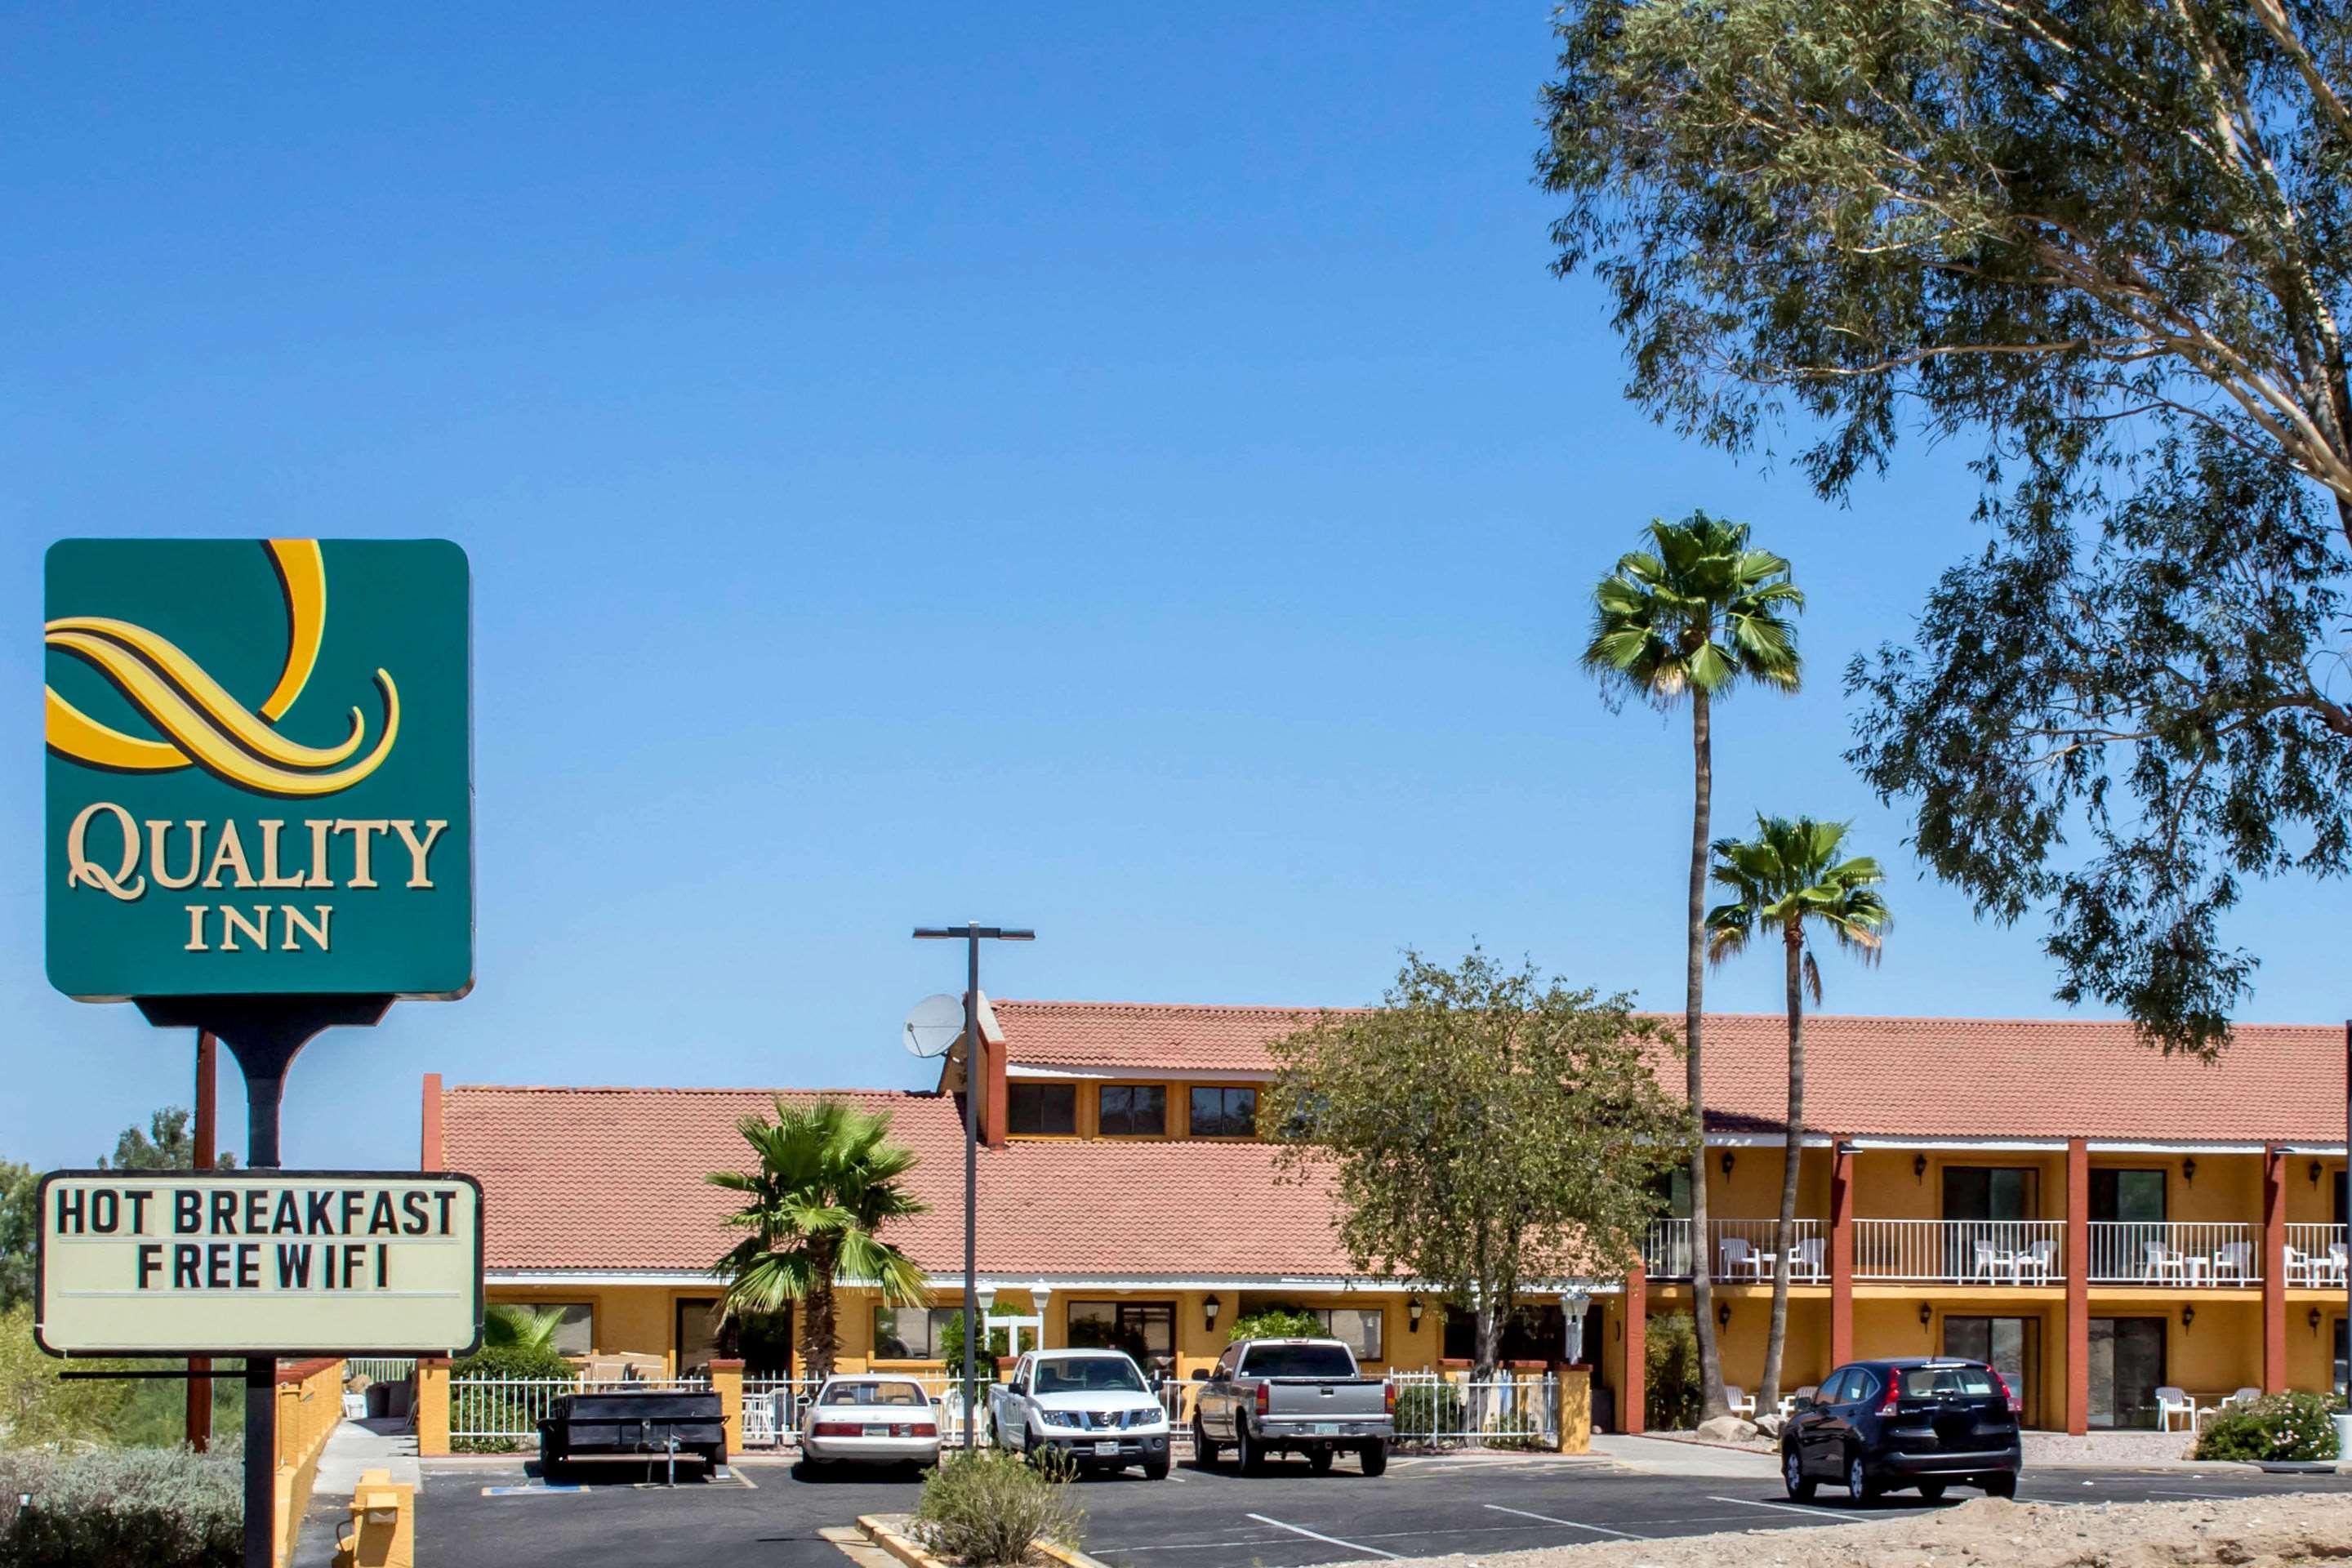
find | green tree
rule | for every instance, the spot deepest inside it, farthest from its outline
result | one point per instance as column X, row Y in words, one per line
column 1691, row 617
column 1483, row 1129
column 168, row 1144
column 828, row 1182
column 1275, row 1322
column 20, row 1230
column 1789, row 880
column 2106, row 246
column 508, row 1325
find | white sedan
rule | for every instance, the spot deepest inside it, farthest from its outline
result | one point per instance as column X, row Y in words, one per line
column 863, row 1419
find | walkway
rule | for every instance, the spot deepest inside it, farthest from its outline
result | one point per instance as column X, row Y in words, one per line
column 382, row 1443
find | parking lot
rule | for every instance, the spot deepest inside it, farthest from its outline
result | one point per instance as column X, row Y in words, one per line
column 1197, row 1519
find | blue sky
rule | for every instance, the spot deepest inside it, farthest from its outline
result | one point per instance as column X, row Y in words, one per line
column 1128, row 473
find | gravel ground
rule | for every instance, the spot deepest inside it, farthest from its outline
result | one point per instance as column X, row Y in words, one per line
column 2107, row 1448
column 2288, row 1531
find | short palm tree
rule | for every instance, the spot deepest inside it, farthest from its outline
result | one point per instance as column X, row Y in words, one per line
column 511, row 1324
column 828, row 1182
column 1690, row 617
column 1790, row 879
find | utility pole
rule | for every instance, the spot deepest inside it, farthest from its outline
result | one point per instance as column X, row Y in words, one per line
column 973, row 934
column 200, row 1382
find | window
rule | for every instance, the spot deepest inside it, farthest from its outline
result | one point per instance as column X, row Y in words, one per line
column 2130, row 1198
column 1357, row 1328
column 1133, row 1110
column 1144, row 1329
column 698, row 1334
column 1296, row 1360
column 911, row 1333
column 1041, row 1109
column 575, row 1335
column 1225, row 1112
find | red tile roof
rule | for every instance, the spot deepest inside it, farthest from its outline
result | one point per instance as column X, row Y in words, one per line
column 1954, row 1078
column 613, row 1178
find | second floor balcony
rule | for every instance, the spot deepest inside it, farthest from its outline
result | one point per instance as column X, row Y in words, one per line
column 2170, row 1254
column 2137, row 1252
column 1741, row 1251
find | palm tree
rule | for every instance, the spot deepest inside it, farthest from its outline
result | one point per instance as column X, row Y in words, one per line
column 1788, row 877
column 1691, row 617
column 511, row 1324
column 828, row 1182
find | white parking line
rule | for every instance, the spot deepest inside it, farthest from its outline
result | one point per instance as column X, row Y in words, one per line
column 1571, row 1523
column 1329, row 1540
column 2216, row 1497
column 1785, row 1506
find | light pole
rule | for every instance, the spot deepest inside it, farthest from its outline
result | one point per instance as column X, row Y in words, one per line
column 972, row 934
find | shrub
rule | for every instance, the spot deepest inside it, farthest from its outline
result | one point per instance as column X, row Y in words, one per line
column 1671, row 1353
column 2277, row 1427
column 500, row 1420
column 133, row 1507
column 993, row 1344
column 1428, row 1411
column 1277, row 1324
column 988, row 1507
column 515, row 1360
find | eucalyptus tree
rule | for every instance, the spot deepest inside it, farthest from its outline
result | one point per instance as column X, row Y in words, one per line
column 1789, row 881
column 1687, row 620
column 1483, row 1129
column 2109, row 249
column 828, row 1182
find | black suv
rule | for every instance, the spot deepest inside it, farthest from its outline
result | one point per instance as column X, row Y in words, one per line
column 1913, row 1421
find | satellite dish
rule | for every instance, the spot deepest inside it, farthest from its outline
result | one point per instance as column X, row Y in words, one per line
column 935, row 1024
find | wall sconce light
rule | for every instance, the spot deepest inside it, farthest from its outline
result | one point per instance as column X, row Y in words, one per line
column 2188, row 1169
column 1727, row 1164
column 2313, row 1318
column 1412, row 1311
column 2315, row 1172
column 1210, row 1307
column 1924, row 1314
column 2188, row 1316
column 1918, row 1167
column 1723, row 1315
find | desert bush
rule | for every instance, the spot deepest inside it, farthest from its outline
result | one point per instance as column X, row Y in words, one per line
column 1671, row 1353
column 2276, row 1426
column 1277, row 1324
column 988, row 1507
column 133, row 1508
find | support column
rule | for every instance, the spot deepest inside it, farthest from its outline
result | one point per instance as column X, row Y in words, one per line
column 433, row 1407
column 428, row 1141
column 2078, row 1286
column 726, row 1382
column 1842, row 1255
column 1633, row 1398
column 2274, row 1260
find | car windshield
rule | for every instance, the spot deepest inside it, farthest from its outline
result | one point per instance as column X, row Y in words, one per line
column 872, row 1393
column 1934, row 1381
column 1089, row 1374
column 1298, row 1360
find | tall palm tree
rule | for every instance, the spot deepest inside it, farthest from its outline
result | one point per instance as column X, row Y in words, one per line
column 827, row 1183
column 1690, row 617
column 1789, row 878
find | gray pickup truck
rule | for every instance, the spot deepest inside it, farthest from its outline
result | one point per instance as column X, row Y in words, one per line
column 1292, row 1396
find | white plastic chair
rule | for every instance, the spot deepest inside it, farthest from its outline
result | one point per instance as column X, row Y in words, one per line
column 2335, row 1262
column 1805, row 1259
column 759, row 1420
column 1740, row 1256
column 2301, row 1267
column 2171, row 1402
column 2161, row 1263
column 2233, row 1259
column 1742, row 1403
column 1991, row 1261
column 1788, row 1401
column 2039, row 1260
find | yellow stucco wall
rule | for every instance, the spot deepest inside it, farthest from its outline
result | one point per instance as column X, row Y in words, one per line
column 2309, row 1201
column 1752, row 1190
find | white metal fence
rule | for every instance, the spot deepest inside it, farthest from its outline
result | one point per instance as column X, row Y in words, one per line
column 497, row 1414
column 1509, row 1411
column 1742, row 1249
column 2158, row 1253
column 2316, row 1255
column 1962, row 1251
column 773, row 1406
column 381, row 1369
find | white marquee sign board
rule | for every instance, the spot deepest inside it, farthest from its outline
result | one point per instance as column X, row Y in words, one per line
column 259, row 1263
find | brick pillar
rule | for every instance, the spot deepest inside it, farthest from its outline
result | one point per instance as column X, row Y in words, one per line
column 433, row 1407
column 428, row 1143
column 1633, row 1398
column 1840, row 1255
column 2078, row 1286
column 726, row 1382
column 2273, row 1261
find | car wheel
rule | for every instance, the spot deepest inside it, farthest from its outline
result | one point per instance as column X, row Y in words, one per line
column 1248, row 1452
column 1155, row 1466
column 1858, row 1484
column 1204, row 1453
column 1792, row 1475
column 1932, row 1491
column 1319, row 1460
column 2003, row 1485
column 1375, row 1457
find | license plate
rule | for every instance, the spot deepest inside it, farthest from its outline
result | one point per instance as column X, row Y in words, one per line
column 877, row 1431
column 1327, row 1428
column 1106, row 1448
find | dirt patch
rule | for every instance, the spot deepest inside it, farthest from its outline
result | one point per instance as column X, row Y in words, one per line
column 2289, row 1529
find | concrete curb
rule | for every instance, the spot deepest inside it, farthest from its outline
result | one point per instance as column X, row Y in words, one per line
column 881, row 1530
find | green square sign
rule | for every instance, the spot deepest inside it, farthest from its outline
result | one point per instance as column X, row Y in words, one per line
column 261, row 768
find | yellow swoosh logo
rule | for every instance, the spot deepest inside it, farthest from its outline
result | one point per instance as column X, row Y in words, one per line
column 206, row 726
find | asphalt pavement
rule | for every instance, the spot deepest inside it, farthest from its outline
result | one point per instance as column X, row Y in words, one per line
column 766, row 1514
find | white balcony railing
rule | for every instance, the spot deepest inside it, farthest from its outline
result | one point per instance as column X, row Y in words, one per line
column 2139, row 1252
column 1744, row 1251
column 2316, row 1255
column 1962, row 1251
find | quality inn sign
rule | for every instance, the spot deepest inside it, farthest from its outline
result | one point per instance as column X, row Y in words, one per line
column 260, row 768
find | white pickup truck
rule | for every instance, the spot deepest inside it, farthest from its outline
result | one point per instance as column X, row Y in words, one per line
column 1092, row 1407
